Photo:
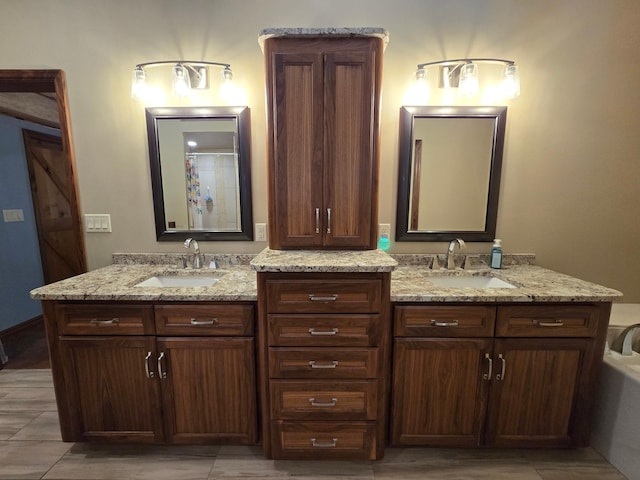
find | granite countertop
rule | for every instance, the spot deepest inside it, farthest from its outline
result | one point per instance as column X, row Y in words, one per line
column 410, row 280
column 378, row 32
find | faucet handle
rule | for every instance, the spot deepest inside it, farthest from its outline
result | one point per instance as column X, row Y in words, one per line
column 435, row 265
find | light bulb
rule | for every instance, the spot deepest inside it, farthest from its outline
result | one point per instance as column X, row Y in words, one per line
column 468, row 86
column 418, row 92
column 138, row 83
column 511, row 84
column 181, row 83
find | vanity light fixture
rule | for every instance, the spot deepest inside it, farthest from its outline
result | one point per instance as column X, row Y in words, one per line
column 186, row 75
column 462, row 73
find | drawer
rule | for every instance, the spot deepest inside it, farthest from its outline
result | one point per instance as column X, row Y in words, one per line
column 349, row 295
column 227, row 320
column 323, row 363
column 547, row 321
column 322, row 400
column 351, row 330
column 104, row 319
column 313, row 440
column 444, row 321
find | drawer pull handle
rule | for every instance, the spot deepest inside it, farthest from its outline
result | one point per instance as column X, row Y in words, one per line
column 333, row 364
column 331, row 298
column 453, row 323
column 316, row 443
column 95, row 321
column 329, row 220
column 333, row 331
column 332, row 403
column 161, row 373
column 556, row 323
column 500, row 376
column 195, row 321
column 487, row 376
column 150, row 374
column 317, row 220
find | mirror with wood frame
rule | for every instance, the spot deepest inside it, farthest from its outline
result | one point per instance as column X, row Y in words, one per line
column 449, row 178
column 200, row 172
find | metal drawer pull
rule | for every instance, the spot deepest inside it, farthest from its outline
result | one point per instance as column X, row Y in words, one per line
column 95, row 321
column 487, row 376
column 500, row 376
column 195, row 321
column 555, row 323
column 328, row 220
column 313, row 364
column 453, row 323
column 332, row 403
column 333, row 331
column 161, row 373
column 150, row 374
column 331, row 298
column 332, row 444
column 317, row 220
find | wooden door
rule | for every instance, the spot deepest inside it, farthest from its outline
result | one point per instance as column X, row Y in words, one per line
column 209, row 392
column 111, row 396
column 532, row 401
column 439, row 391
column 295, row 102
column 351, row 122
column 54, row 204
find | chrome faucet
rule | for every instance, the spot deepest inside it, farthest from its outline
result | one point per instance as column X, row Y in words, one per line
column 196, row 259
column 451, row 264
column 623, row 344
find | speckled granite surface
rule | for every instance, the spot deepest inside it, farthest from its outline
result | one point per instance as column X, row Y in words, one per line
column 323, row 31
column 410, row 281
column 323, row 261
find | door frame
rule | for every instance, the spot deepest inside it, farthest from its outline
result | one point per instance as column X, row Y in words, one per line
column 53, row 81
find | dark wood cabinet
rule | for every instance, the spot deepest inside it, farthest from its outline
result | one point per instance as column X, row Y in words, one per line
column 196, row 386
column 324, row 351
column 529, row 383
column 323, row 103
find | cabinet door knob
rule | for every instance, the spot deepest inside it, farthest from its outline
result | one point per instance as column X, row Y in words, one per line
column 95, row 321
column 332, row 403
column 317, row 444
column 313, row 364
column 161, row 373
column 500, row 376
column 487, row 376
column 333, row 331
column 453, row 323
column 147, row 369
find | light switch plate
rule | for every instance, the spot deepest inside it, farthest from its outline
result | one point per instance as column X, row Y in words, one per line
column 14, row 215
column 261, row 232
column 97, row 222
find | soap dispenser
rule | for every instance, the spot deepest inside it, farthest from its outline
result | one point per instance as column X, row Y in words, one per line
column 496, row 254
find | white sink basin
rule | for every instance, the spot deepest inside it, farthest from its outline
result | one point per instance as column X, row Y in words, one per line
column 161, row 281
column 469, row 281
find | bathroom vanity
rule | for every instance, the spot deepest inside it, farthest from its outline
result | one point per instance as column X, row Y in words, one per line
column 326, row 354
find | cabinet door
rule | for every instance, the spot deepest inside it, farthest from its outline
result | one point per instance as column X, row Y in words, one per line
column 208, row 389
column 536, row 382
column 439, row 391
column 351, row 171
column 113, row 392
column 296, row 210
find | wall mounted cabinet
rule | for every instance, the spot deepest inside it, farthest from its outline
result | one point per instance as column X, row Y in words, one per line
column 323, row 103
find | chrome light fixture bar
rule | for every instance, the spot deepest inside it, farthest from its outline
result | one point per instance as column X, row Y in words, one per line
column 463, row 74
column 187, row 75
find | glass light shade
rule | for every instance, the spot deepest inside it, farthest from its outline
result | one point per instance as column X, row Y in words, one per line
column 418, row 92
column 181, row 83
column 138, row 83
column 511, row 84
column 468, row 86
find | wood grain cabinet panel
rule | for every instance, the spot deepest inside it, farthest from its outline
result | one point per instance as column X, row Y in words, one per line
column 209, row 320
column 104, row 319
column 323, row 99
column 323, row 330
column 444, row 321
column 530, row 386
column 318, row 362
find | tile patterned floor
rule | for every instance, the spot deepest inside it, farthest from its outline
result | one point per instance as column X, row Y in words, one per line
column 30, row 448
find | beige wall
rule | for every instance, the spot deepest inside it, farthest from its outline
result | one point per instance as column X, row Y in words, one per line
column 572, row 158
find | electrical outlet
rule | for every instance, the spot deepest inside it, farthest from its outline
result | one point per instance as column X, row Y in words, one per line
column 384, row 229
column 261, row 232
